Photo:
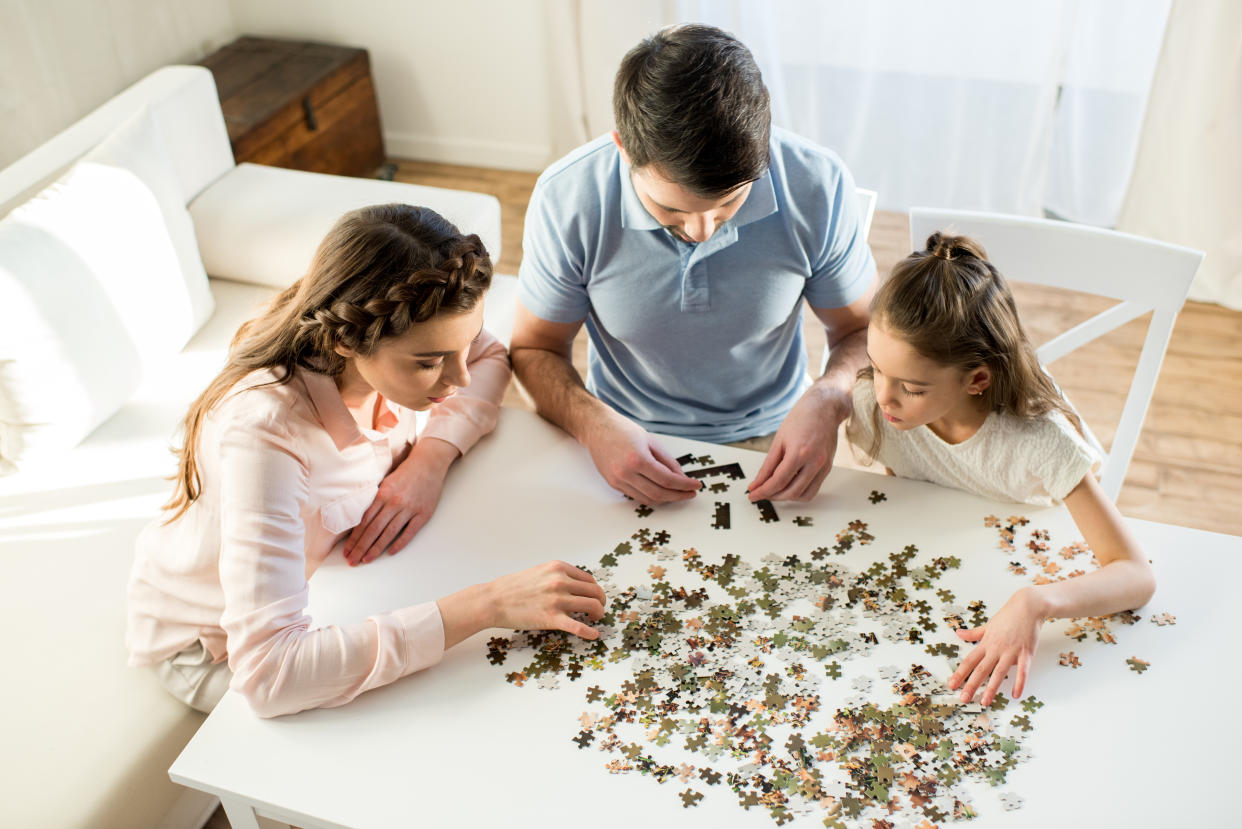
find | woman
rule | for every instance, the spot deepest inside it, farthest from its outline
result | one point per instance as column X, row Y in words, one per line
column 309, row 433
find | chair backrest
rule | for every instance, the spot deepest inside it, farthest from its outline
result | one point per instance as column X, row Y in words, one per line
column 1145, row 275
column 866, row 207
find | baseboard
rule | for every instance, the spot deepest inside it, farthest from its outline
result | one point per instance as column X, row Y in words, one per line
column 503, row 155
column 191, row 811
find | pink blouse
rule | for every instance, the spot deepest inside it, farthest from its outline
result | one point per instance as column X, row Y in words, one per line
column 286, row 473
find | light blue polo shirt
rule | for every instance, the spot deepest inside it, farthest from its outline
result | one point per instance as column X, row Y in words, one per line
column 699, row 340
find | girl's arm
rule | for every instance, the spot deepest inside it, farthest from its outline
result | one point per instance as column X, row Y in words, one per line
column 409, row 494
column 1123, row 581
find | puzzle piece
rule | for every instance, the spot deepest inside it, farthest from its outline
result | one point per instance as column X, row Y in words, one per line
column 1070, row 660
column 1011, row 801
column 719, row 486
column 730, row 470
column 767, row 513
column 876, row 496
column 1137, row 665
column 721, row 519
column 643, row 510
column 802, row 520
column 690, row 798
column 1163, row 619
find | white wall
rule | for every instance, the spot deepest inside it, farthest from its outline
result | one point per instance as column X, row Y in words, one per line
column 463, row 82
column 59, row 59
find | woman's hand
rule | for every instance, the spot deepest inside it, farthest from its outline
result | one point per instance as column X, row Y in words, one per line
column 406, row 499
column 1009, row 639
column 538, row 598
column 543, row 596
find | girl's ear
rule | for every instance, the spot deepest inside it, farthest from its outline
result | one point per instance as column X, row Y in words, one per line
column 980, row 379
column 344, row 351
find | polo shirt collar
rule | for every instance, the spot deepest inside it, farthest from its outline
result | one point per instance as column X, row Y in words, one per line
column 760, row 203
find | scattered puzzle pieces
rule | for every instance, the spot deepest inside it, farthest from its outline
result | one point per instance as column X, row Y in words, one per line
column 1163, row 619
column 720, row 659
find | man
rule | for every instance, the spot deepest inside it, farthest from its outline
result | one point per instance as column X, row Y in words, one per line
column 686, row 241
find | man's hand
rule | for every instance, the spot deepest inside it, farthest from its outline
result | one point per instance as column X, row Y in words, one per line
column 802, row 452
column 631, row 461
column 406, row 499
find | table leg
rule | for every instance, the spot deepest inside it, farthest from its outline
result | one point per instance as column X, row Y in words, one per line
column 242, row 816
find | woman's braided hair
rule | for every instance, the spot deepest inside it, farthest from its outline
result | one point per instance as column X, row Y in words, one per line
column 378, row 272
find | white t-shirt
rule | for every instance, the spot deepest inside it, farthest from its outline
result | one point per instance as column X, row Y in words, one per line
column 1037, row 461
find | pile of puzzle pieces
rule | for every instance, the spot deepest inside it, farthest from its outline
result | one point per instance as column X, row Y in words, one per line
column 724, row 664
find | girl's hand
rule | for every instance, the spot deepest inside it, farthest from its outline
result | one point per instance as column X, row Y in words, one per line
column 543, row 596
column 406, row 499
column 1008, row 639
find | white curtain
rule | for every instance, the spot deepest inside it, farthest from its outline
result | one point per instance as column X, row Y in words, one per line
column 996, row 105
column 1188, row 176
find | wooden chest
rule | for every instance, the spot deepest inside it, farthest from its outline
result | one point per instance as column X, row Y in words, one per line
column 306, row 106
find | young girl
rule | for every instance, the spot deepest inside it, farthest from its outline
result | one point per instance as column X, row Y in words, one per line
column 955, row 395
column 309, row 433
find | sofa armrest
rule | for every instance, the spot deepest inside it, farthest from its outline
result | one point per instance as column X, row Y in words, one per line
column 262, row 224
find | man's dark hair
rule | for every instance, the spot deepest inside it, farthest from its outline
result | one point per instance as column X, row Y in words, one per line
column 690, row 101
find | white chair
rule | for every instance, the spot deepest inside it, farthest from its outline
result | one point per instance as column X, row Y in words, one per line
column 866, row 206
column 1145, row 275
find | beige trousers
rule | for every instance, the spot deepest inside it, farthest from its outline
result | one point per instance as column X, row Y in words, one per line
column 190, row 677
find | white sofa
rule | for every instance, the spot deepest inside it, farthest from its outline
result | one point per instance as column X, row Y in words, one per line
column 87, row 741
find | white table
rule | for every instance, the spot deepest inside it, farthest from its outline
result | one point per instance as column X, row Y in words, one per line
column 457, row 745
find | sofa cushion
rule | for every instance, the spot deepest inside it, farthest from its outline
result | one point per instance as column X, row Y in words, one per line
column 140, row 147
column 262, row 224
column 95, row 295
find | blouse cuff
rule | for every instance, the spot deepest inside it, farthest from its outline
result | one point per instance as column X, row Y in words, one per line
column 423, row 632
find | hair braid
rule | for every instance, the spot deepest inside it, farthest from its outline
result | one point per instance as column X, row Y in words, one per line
column 379, row 271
